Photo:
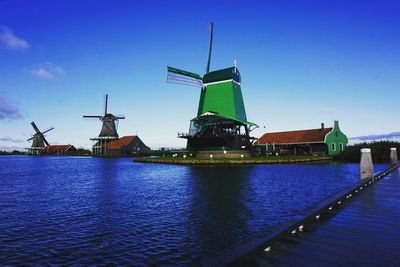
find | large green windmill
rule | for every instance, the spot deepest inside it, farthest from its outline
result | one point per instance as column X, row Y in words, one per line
column 221, row 122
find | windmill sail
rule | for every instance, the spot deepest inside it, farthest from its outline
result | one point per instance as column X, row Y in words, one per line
column 48, row 130
column 184, row 77
column 105, row 104
column 210, row 29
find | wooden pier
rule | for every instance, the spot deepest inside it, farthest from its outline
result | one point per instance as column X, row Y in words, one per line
column 356, row 227
column 364, row 233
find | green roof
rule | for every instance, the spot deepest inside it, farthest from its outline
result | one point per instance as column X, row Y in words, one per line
column 231, row 73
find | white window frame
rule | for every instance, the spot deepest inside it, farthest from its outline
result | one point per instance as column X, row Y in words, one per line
column 333, row 146
column 341, row 147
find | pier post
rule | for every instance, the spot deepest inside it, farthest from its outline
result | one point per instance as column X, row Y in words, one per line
column 393, row 156
column 366, row 165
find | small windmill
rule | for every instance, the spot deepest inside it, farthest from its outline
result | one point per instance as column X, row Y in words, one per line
column 38, row 140
column 221, row 123
column 108, row 130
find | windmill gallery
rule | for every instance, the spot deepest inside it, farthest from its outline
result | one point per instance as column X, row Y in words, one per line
column 220, row 128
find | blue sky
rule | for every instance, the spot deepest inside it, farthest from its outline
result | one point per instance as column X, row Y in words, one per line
column 302, row 63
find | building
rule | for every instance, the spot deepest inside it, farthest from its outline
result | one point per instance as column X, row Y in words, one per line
column 125, row 146
column 321, row 141
column 57, row 149
column 221, row 122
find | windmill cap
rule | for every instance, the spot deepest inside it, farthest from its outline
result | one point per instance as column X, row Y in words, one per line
column 365, row 150
column 231, row 73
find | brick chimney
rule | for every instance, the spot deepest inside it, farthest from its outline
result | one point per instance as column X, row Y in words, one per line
column 322, row 126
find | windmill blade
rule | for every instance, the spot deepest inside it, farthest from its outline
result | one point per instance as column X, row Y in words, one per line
column 35, row 127
column 45, row 141
column 210, row 29
column 178, row 76
column 48, row 130
column 119, row 116
column 30, row 139
column 91, row 117
column 105, row 104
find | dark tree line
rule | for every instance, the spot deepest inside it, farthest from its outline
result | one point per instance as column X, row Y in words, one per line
column 380, row 151
column 14, row 152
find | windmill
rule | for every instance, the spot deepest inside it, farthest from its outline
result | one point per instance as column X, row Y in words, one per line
column 38, row 140
column 221, row 123
column 108, row 131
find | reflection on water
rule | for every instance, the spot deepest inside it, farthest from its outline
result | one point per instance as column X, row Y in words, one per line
column 219, row 207
column 59, row 210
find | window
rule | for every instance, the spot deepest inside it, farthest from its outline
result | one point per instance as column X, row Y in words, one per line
column 333, row 147
column 341, row 147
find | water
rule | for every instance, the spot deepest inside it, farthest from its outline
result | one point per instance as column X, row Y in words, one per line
column 64, row 210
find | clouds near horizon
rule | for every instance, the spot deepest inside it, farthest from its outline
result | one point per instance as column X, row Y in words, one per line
column 375, row 137
column 11, row 41
column 12, row 140
column 8, row 111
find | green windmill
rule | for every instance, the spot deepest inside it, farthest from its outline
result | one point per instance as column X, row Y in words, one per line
column 221, row 123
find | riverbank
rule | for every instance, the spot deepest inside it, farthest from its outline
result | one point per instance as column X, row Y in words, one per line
column 238, row 161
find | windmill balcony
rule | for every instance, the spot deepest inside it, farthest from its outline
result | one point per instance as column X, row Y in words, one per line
column 208, row 135
column 184, row 135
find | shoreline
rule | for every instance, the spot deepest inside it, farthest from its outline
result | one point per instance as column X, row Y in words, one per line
column 198, row 161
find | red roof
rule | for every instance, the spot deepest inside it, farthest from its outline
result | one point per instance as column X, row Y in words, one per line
column 57, row 147
column 124, row 141
column 295, row 137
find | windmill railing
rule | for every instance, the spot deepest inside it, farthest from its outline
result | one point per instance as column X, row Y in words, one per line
column 104, row 138
column 226, row 134
column 183, row 135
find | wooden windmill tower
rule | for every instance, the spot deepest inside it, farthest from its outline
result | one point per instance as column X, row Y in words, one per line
column 221, row 124
column 38, row 140
column 108, row 132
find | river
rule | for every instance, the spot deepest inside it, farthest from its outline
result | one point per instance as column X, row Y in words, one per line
column 98, row 211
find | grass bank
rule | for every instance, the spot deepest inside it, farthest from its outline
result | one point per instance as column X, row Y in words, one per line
column 232, row 161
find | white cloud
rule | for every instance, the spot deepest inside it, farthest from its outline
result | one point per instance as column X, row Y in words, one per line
column 41, row 73
column 11, row 41
column 48, row 71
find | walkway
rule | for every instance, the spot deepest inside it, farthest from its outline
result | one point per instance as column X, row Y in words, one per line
column 365, row 232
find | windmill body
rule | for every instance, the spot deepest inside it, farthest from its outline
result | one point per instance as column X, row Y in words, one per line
column 221, row 122
column 37, row 141
column 109, row 128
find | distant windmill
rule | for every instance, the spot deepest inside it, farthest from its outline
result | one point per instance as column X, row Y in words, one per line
column 38, row 140
column 108, row 130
